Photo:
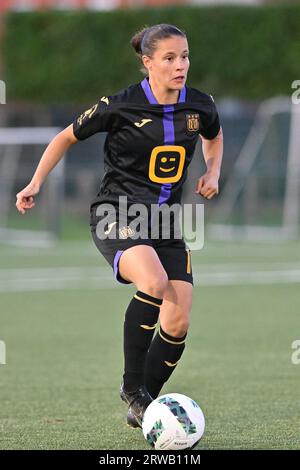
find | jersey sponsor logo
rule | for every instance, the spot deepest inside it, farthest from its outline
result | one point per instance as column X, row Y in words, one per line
column 105, row 100
column 142, row 123
column 166, row 163
column 126, row 232
column 87, row 114
column 192, row 122
column 109, row 228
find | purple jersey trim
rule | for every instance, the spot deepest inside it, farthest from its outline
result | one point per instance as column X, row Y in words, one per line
column 169, row 132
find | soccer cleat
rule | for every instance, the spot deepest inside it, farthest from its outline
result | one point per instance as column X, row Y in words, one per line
column 131, row 421
column 138, row 401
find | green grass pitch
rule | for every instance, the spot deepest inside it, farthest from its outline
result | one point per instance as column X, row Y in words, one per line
column 59, row 387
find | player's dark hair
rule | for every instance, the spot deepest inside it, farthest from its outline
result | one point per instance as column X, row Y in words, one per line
column 144, row 42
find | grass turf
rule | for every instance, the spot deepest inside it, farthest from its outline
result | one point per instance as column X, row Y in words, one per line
column 59, row 388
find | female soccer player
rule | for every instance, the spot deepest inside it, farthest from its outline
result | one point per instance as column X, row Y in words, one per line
column 152, row 130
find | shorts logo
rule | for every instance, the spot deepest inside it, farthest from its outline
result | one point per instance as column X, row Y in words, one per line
column 88, row 113
column 166, row 163
column 126, row 232
column 192, row 122
column 110, row 226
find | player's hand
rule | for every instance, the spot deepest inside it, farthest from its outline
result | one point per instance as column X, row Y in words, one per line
column 25, row 198
column 208, row 185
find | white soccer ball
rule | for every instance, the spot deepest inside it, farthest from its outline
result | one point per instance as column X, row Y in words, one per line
column 173, row 422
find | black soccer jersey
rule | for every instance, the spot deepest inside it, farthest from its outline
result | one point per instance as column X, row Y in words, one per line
column 149, row 146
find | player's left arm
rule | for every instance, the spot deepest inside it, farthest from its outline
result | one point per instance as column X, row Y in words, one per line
column 208, row 184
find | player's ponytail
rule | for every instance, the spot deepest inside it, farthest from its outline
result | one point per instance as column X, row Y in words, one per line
column 144, row 42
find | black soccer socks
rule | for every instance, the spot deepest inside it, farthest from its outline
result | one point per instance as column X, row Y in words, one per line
column 139, row 326
column 162, row 358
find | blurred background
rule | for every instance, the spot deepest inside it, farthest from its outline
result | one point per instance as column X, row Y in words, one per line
column 57, row 58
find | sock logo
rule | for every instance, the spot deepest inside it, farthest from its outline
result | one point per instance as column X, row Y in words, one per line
column 170, row 364
column 147, row 327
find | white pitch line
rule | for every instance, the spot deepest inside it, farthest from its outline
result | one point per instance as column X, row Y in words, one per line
column 81, row 271
column 66, row 278
column 72, row 272
column 32, row 285
column 69, row 278
column 248, row 278
column 87, row 249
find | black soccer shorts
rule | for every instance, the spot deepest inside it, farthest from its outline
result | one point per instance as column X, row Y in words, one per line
column 173, row 253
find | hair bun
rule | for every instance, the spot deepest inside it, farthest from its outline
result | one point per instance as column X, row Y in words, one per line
column 137, row 39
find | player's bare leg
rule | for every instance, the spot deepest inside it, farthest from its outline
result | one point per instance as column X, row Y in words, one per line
column 141, row 265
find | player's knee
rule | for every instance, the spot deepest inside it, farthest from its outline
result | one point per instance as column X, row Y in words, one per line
column 155, row 286
column 178, row 328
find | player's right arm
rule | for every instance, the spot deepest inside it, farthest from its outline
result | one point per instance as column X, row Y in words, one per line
column 96, row 119
column 52, row 155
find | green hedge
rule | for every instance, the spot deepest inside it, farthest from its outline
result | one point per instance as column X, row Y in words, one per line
column 246, row 52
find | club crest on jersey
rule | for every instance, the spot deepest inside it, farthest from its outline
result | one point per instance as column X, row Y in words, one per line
column 192, row 122
column 126, row 232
